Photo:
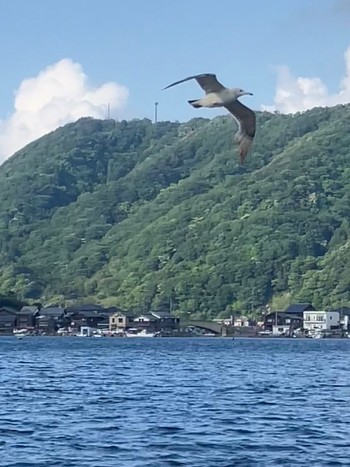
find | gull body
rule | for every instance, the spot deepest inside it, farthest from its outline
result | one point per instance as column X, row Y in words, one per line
column 218, row 99
column 217, row 95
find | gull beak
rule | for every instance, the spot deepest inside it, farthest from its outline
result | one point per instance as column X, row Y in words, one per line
column 246, row 93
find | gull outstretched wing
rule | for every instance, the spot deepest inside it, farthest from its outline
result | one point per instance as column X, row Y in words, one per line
column 207, row 81
column 246, row 120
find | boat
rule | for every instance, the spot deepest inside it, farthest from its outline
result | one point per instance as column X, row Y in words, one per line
column 266, row 332
column 20, row 333
column 85, row 331
column 134, row 332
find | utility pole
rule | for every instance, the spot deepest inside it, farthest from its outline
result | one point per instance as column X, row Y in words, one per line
column 155, row 112
column 252, row 302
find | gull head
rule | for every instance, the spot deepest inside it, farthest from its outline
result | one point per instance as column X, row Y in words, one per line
column 240, row 92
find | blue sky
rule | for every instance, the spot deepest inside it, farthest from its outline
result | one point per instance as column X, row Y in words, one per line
column 267, row 47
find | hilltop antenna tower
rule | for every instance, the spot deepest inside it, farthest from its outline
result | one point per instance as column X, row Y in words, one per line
column 108, row 111
column 155, row 112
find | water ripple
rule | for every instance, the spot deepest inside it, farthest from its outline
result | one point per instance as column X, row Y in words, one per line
column 174, row 402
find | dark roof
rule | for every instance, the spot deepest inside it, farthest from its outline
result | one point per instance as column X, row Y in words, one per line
column 162, row 314
column 52, row 311
column 86, row 307
column 147, row 316
column 299, row 308
column 28, row 310
column 110, row 311
column 343, row 311
column 128, row 314
column 88, row 314
column 286, row 315
column 8, row 309
column 273, row 313
column 282, row 314
column 114, row 309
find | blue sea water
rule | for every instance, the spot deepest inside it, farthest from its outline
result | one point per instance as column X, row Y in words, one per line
column 174, row 402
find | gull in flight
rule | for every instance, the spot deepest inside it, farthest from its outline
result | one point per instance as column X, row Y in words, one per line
column 216, row 95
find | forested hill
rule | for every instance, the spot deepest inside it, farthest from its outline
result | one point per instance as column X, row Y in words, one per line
column 141, row 215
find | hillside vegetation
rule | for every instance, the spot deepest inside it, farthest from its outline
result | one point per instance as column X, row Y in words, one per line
column 162, row 216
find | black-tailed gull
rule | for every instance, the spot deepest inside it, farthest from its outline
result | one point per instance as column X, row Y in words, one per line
column 216, row 95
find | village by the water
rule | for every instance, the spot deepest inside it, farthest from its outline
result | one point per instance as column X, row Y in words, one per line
column 299, row 320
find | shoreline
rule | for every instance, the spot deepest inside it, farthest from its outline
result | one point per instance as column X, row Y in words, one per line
column 178, row 337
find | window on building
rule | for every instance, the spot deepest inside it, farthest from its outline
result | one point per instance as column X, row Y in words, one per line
column 120, row 320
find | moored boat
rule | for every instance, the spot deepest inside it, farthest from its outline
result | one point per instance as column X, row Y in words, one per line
column 20, row 333
column 134, row 332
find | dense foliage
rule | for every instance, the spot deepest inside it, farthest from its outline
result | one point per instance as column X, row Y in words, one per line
column 141, row 215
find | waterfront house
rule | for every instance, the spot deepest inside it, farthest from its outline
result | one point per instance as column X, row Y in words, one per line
column 281, row 323
column 225, row 321
column 26, row 317
column 50, row 319
column 291, row 317
column 92, row 319
column 103, row 323
column 243, row 321
column 146, row 321
column 273, row 319
column 90, row 315
column 288, row 325
column 166, row 321
column 344, row 316
column 321, row 321
column 121, row 320
column 7, row 319
column 157, row 321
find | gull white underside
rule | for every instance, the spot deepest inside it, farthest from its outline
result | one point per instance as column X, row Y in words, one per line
column 217, row 95
column 216, row 99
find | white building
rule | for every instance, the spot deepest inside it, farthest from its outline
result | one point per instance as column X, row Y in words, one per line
column 242, row 321
column 317, row 321
column 280, row 329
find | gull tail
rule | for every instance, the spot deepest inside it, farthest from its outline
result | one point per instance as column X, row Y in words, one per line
column 195, row 103
column 245, row 143
column 244, row 147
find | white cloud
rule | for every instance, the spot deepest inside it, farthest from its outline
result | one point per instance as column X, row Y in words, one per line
column 57, row 95
column 298, row 94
